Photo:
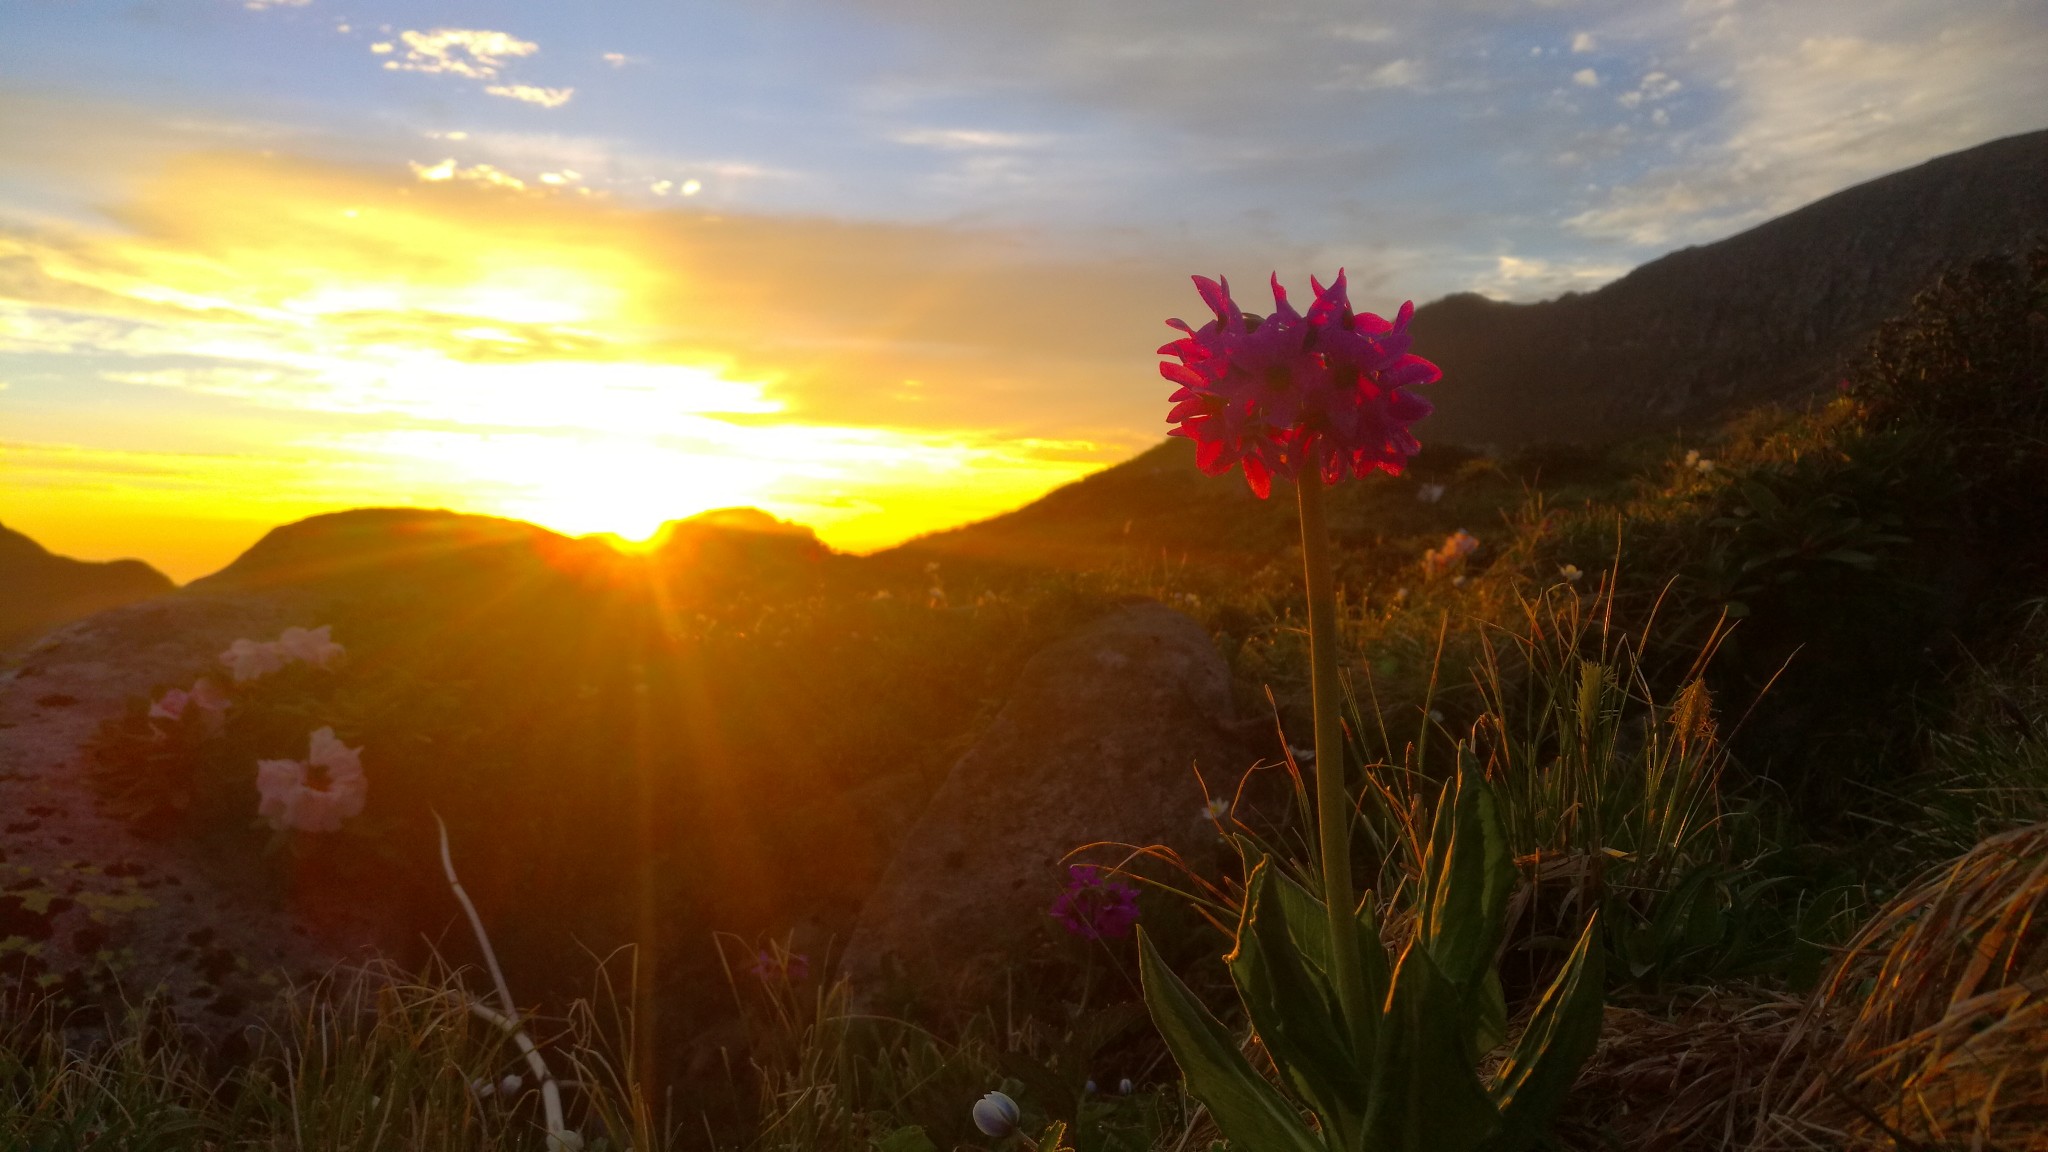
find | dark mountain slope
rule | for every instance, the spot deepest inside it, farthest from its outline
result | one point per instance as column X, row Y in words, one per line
column 40, row 590
column 1763, row 315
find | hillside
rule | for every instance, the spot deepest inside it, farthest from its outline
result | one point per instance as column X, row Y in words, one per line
column 1765, row 314
column 40, row 590
column 1674, row 347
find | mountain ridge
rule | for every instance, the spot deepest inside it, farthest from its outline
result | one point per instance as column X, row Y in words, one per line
column 1766, row 314
column 40, row 589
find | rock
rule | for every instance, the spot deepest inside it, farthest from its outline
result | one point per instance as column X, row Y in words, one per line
column 1099, row 742
column 91, row 914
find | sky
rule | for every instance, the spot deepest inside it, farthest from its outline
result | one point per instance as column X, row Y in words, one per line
column 878, row 266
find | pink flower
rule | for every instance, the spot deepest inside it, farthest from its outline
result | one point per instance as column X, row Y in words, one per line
column 1286, row 391
column 311, row 646
column 170, row 705
column 290, row 797
column 1093, row 906
column 251, row 659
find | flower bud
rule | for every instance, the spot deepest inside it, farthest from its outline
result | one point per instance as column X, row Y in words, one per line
column 996, row 1115
column 1124, row 1086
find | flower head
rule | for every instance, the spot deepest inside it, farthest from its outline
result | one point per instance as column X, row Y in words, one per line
column 291, row 797
column 1288, row 391
column 996, row 1115
column 170, row 705
column 1093, row 905
column 250, row 659
column 313, row 646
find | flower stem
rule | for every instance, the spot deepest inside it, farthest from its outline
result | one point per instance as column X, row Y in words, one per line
column 1333, row 800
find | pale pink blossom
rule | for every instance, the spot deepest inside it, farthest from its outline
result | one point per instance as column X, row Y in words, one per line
column 170, row 705
column 252, row 659
column 313, row 646
column 291, row 797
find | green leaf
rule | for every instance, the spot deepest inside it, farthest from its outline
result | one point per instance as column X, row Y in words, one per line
column 1251, row 1112
column 1561, row 1035
column 1295, row 1012
column 1425, row 1094
column 1468, row 876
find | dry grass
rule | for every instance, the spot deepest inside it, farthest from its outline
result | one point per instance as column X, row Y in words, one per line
column 1683, row 1080
column 1940, row 1009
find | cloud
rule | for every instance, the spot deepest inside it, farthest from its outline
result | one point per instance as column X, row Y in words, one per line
column 1403, row 73
column 468, row 52
column 1531, row 278
column 969, row 138
column 1654, row 86
column 528, row 94
column 261, row 5
column 1586, row 78
column 475, row 173
column 1584, row 42
column 1807, row 111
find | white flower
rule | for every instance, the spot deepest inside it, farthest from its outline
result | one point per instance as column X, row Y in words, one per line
column 250, row 659
column 1125, row 1086
column 1704, row 466
column 1571, row 573
column 1216, row 809
column 290, row 799
column 313, row 646
column 510, row 1085
column 996, row 1115
column 1429, row 493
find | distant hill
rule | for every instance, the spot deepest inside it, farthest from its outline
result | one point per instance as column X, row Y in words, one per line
column 40, row 590
column 713, row 554
column 1762, row 315
column 1680, row 343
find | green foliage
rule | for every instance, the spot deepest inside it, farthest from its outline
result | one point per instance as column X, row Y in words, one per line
column 1409, row 1076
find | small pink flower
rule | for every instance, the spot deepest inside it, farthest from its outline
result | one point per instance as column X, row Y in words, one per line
column 170, row 705
column 1094, row 906
column 252, row 659
column 313, row 646
column 289, row 796
column 1283, row 392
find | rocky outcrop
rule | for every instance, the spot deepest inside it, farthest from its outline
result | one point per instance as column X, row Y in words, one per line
column 40, row 590
column 94, row 916
column 1100, row 741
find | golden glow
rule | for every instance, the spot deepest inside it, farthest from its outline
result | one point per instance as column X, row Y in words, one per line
column 316, row 338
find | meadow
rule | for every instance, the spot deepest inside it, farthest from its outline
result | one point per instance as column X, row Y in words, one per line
column 1769, row 698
